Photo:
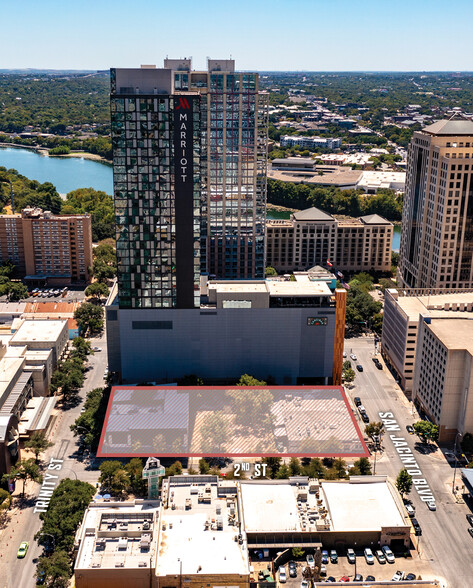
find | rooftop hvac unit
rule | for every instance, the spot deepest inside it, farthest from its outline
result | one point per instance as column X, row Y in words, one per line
column 119, row 564
column 96, row 564
column 142, row 564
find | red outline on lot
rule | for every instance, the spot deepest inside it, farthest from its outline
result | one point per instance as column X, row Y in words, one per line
column 232, row 455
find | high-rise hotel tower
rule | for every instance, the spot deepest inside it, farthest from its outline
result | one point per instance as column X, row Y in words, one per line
column 189, row 163
column 437, row 223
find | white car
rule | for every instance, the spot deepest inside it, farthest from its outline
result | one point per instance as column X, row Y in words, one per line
column 388, row 553
column 310, row 561
column 282, row 575
column 96, row 349
column 369, row 556
column 353, row 356
column 431, row 505
column 398, row 576
column 344, row 354
column 351, row 555
column 411, row 511
column 323, row 570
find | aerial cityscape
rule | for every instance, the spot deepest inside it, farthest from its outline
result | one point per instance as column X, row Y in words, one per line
column 236, row 296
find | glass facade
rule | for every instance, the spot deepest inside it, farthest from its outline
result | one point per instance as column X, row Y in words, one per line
column 229, row 152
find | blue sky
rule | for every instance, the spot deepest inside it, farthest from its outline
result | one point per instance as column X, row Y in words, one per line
column 315, row 35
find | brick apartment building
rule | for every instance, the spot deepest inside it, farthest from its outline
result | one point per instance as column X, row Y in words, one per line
column 47, row 248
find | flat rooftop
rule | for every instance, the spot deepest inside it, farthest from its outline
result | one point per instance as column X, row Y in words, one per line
column 41, row 331
column 436, row 305
column 454, row 333
column 204, row 533
column 114, row 536
column 363, row 506
column 274, row 287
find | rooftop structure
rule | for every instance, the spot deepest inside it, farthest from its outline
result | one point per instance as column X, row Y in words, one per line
column 41, row 335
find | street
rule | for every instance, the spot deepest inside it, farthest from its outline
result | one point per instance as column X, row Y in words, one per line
column 445, row 541
column 24, row 522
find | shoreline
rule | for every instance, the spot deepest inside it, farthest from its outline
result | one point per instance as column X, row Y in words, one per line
column 44, row 151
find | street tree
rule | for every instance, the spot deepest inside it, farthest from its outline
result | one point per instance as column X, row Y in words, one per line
column 82, row 348
column 89, row 317
column 204, row 467
column 295, row 468
column 273, row 463
column 270, row 271
column 427, row 431
column 26, row 469
column 467, row 443
column 120, row 482
column 55, row 568
column 175, row 469
column 97, row 290
column 404, row 482
column 361, row 467
column 5, row 503
column 38, row 443
column 349, row 375
column 107, row 471
column 375, row 431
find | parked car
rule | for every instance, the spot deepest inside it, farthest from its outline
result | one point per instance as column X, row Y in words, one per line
column 323, row 570
column 292, row 567
column 353, row 356
column 40, row 578
column 379, row 365
column 417, row 529
column 388, row 553
column 357, row 401
column 22, row 549
column 470, row 530
column 310, row 561
column 398, row 576
column 365, row 418
column 96, row 349
column 351, row 556
column 304, row 584
column 380, row 556
column 344, row 579
column 411, row 511
column 410, row 429
column 432, row 505
column 282, row 575
column 344, row 354
column 369, row 556
column 410, row 577
column 358, row 578
column 359, row 367
column 330, row 579
column 325, row 556
column 469, row 518
column 361, row 408
column 370, row 579
column 333, row 556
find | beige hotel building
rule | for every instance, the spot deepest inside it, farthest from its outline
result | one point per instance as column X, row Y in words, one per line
column 311, row 236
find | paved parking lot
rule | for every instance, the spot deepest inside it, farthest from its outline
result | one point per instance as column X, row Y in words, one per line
column 381, row 572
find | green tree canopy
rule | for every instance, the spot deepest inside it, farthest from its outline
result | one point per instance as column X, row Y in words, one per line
column 38, row 443
column 89, row 317
column 214, row 432
column 26, row 469
column 56, row 569
column 404, row 482
column 97, row 290
column 96, row 203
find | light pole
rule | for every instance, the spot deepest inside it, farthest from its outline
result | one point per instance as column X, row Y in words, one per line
column 456, row 460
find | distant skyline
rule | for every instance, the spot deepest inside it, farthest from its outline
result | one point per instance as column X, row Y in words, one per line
column 263, row 35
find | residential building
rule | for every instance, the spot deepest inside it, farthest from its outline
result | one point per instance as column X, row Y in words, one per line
column 403, row 310
column 258, row 327
column 310, row 142
column 436, row 248
column 47, row 248
column 444, row 374
column 311, row 237
column 189, row 153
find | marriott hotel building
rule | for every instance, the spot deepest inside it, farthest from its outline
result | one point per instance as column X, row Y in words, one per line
column 189, row 160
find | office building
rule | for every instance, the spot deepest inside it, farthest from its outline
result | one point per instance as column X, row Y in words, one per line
column 47, row 248
column 189, row 155
column 444, row 374
column 403, row 310
column 436, row 248
column 311, row 237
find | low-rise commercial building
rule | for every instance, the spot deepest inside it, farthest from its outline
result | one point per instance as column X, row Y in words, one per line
column 310, row 142
column 40, row 335
column 311, row 237
column 47, row 248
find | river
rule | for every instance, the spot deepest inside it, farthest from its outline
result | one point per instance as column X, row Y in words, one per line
column 70, row 173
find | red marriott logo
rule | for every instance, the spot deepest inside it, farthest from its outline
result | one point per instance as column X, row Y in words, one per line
column 183, row 103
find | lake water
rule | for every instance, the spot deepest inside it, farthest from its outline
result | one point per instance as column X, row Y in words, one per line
column 70, row 173
column 66, row 173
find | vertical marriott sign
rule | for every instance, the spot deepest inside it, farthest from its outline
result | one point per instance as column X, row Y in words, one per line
column 184, row 198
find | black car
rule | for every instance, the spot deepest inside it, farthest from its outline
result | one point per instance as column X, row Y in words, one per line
column 357, row 401
column 470, row 530
column 370, row 579
column 469, row 518
column 359, row 367
column 358, row 578
column 330, row 579
column 365, row 417
column 292, row 569
column 417, row 529
column 379, row 365
column 410, row 577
